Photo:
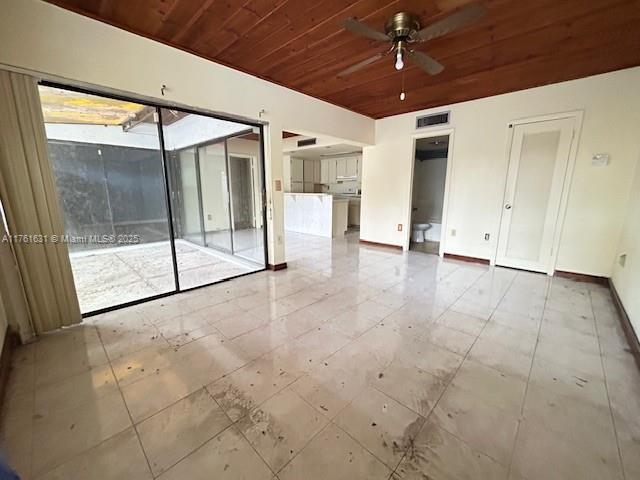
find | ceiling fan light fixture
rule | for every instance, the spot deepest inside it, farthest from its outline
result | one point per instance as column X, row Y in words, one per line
column 403, row 30
column 399, row 62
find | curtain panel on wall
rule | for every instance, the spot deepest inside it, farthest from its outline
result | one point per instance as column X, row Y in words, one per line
column 28, row 194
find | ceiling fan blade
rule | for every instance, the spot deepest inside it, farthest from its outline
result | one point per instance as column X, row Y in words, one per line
column 462, row 17
column 425, row 62
column 362, row 64
column 359, row 28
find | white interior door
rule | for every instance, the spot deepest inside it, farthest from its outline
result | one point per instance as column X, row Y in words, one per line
column 537, row 169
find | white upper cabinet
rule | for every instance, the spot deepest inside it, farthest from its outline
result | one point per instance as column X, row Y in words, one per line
column 359, row 168
column 324, row 171
column 308, row 170
column 341, row 167
column 316, row 171
column 351, row 166
column 332, row 170
column 297, row 170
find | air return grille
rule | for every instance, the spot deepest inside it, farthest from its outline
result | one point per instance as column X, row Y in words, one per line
column 306, row 142
column 433, row 119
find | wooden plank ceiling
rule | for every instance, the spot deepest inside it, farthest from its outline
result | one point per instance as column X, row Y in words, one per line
column 299, row 44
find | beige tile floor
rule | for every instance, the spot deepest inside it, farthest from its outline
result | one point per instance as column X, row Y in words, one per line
column 354, row 363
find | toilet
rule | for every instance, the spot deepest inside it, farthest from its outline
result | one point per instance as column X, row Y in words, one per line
column 418, row 230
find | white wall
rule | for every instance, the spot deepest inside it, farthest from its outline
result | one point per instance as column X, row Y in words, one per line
column 598, row 195
column 428, row 189
column 39, row 37
column 627, row 279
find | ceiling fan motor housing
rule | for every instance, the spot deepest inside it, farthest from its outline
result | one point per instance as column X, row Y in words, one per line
column 403, row 26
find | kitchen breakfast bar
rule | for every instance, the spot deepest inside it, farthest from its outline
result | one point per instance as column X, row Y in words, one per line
column 316, row 214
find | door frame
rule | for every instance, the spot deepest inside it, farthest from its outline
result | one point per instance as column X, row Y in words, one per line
column 577, row 116
column 448, row 182
column 251, row 159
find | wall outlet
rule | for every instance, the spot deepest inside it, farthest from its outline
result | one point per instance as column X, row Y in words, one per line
column 453, row 232
column 399, row 227
column 487, row 236
column 209, row 217
column 622, row 259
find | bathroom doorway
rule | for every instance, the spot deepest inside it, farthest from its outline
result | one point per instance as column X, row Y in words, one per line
column 428, row 193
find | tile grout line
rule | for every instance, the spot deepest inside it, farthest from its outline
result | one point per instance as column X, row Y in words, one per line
column 330, row 420
column 109, row 360
column 76, row 455
column 379, row 291
column 526, row 388
column 133, row 424
column 435, row 404
column 234, row 423
column 606, row 386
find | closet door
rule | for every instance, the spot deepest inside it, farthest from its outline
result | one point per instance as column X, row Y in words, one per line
column 535, row 181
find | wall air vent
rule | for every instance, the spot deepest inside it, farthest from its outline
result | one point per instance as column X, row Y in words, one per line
column 433, row 119
column 306, row 142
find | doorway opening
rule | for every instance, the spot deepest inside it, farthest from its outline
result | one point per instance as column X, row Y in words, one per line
column 322, row 189
column 427, row 202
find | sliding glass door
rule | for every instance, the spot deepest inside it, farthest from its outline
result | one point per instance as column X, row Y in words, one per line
column 154, row 200
column 226, row 190
column 107, row 163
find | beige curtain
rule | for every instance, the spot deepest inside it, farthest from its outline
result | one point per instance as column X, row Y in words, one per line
column 12, row 298
column 30, row 202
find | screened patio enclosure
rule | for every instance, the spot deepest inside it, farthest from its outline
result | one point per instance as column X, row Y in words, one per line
column 155, row 200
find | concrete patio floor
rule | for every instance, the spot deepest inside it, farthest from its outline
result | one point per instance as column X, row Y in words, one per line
column 109, row 277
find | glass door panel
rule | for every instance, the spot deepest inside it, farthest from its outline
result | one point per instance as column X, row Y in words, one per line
column 215, row 196
column 107, row 164
column 246, row 190
column 189, row 224
column 206, row 228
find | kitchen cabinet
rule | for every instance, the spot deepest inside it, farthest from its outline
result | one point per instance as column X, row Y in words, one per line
column 297, row 170
column 359, row 168
column 308, row 170
column 341, row 167
column 354, row 211
column 324, row 171
column 316, row 171
column 332, row 170
column 351, row 166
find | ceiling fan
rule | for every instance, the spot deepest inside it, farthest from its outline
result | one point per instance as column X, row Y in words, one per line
column 403, row 30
